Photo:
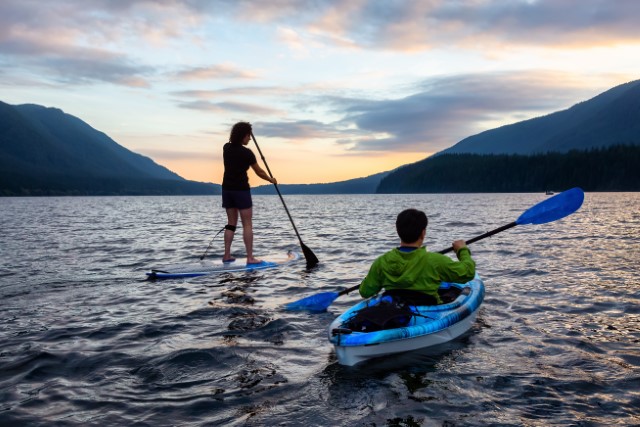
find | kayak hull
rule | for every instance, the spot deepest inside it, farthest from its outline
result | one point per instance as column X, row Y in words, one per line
column 435, row 325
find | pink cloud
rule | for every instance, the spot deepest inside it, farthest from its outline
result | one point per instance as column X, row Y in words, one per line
column 215, row 72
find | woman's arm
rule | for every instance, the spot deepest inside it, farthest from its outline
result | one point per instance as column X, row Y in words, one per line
column 262, row 174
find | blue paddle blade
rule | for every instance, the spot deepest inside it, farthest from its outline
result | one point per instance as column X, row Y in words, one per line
column 553, row 208
column 316, row 303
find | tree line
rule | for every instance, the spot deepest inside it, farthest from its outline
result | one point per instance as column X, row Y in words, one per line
column 613, row 168
column 17, row 184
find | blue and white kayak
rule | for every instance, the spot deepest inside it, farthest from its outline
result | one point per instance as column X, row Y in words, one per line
column 430, row 326
column 207, row 267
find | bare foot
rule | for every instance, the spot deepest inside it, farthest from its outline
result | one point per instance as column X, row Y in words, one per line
column 253, row 261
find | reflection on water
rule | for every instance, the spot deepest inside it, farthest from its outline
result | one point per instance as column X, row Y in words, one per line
column 86, row 341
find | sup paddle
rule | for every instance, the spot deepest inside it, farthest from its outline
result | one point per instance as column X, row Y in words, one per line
column 551, row 209
column 311, row 258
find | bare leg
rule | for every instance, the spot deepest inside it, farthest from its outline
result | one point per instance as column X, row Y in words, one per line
column 232, row 219
column 246, row 215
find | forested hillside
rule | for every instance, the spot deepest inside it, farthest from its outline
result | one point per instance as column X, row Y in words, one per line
column 604, row 169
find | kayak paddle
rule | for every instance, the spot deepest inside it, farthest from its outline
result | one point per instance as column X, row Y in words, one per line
column 551, row 209
column 311, row 258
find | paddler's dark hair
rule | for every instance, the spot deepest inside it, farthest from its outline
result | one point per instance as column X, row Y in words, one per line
column 410, row 224
column 239, row 131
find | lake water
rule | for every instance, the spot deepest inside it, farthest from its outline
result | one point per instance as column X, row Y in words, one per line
column 86, row 341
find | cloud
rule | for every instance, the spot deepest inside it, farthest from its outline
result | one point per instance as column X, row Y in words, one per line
column 367, row 24
column 87, row 43
column 440, row 112
column 447, row 109
column 77, row 65
column 292, row 39
column 427, row 24
column 53, row 51
column 222, row 107
column 177, row 155
column 73, row 42
column 548, row 23
column 302, row 130
column 253, row 91
column 215, row 72
column 230, row 91
column 84, row 71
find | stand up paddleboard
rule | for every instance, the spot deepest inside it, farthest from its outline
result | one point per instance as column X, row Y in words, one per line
column 207, row 267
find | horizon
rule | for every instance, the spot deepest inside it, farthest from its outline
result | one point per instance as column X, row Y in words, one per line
column 337, row 90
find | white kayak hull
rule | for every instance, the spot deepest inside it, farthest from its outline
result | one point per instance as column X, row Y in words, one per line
column 447, row 322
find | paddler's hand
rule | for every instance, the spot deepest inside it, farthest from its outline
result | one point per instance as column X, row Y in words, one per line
column 457, row 245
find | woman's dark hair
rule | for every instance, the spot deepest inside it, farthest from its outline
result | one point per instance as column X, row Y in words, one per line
column 239, row 131
column 410, row 224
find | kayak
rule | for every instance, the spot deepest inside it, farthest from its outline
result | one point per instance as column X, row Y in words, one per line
column 424, row 326
column 207, row 267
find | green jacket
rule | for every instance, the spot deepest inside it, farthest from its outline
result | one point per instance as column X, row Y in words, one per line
column 417, row 270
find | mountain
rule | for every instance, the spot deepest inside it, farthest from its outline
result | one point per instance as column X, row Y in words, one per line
column 611, row 118
column 44, row 151
column 365, row 185
column 594, row 144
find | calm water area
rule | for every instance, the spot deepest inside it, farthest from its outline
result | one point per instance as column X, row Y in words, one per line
column 86, row 341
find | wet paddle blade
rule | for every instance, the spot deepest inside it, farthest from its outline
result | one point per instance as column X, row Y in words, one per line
column 317, row 303
column 312, row 259
column 553, row 208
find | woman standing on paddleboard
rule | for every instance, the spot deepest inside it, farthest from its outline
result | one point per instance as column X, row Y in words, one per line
column 236, row 192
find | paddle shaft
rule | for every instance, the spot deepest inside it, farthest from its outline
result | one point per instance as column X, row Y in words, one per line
column 309, row 255
column 276, row 185
column 482, row 236
column 449, row 249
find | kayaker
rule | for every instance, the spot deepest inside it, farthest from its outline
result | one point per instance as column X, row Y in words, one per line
column 411, row 272
column 236, row 192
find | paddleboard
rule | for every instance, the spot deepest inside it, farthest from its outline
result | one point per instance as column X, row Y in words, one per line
column 207, row 267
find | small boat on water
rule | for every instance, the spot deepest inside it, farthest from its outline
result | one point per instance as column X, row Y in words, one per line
column 412, row 328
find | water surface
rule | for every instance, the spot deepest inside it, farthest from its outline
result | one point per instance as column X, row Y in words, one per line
column 86, row 341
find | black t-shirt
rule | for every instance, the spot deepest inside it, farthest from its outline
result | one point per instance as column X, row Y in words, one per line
column 237, row 160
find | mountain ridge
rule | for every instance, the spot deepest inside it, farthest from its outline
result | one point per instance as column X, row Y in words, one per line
column 610, row 118
column 45, row 151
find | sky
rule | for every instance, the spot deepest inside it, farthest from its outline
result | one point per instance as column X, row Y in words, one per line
column 335, row 89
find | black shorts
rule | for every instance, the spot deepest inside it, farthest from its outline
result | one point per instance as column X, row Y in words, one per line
column 239, row 199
